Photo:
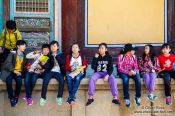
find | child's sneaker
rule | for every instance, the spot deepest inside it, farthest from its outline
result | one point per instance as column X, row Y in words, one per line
column 12, row 102
column 29, row 101
column 168, row 100
column 89, row 101
column 127, row 103
column 72, row 102
column 116, row 102
column 24, row 98
column 68, row 101
column 151, row 97
column 42, row 102
column 137, row 101
column 59, row 100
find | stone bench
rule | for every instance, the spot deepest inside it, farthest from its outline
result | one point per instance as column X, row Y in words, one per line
column 100, row 82
column 102, row 105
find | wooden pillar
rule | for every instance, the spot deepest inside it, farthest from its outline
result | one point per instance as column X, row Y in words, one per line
column 171, row 23
column 69, row 24
column 6, row 8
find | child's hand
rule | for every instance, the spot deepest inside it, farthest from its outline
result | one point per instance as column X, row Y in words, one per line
column 1, row 51
column 43, row 62
column 161, row 70
column 147, row 70
column 37, row 52
column 96, row 55
column 17, row 73
column 38, row 66
column 133, row 73
column 54, row 54
column 42, row 70
column 130, row 73
column 72, row 68
column 106, row 78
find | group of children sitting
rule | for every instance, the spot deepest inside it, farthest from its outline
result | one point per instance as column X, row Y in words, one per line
column 49, row 62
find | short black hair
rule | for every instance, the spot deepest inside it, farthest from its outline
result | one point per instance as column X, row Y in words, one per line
column 165, row 45
column 45, row 46
column 11, row 24
column 20, row 42
column 103, row 44
column 54, row 42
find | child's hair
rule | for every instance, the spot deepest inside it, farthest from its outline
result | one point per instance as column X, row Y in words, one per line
column 103, row 44
column 72, row 46
column 151, row 53
column 165, row 45
column 45, row 46
column 54, row 42
column 121, row 51
column 11, row 24
column 20, row 42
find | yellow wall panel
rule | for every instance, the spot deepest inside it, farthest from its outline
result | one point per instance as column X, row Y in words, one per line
column 125, row 21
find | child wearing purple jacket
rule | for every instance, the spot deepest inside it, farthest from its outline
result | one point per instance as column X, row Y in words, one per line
column 148, row 66
column 128, row 68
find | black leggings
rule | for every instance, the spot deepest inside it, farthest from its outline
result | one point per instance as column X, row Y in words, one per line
column 167, row 75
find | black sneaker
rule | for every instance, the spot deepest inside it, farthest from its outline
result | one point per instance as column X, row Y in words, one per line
column 16, row 100
column 116, row 102
column 72, row 102
column 127, row 103
column 68, row 101
column 13, row 102
column 137, row 101
column 89, row 101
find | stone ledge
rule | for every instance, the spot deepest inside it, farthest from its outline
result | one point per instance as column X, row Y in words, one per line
column 159, row 81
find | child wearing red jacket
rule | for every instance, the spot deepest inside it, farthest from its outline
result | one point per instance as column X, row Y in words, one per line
column 166, row 60
column 75, row 71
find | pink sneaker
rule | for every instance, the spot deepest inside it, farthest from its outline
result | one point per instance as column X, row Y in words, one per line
column 29, row 101
column 168, row 100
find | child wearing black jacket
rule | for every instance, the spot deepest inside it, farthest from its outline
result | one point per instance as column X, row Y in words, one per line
column 103, row 67
column 53, row 68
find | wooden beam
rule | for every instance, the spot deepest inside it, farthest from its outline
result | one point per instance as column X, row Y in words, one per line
column 6, row 7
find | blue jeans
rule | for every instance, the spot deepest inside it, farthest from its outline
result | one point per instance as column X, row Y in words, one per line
column 30, row 81
column 125, row 79
column 46, row 78
column 9, row 81
column 73, row 84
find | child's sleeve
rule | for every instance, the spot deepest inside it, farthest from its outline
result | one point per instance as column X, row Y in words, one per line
column 110, row 67
column 31, row 55
column 67, row 66
column 85, row 63
column 136, row 69
column 119, row 65
column 2, row 39
column 94, row 63
column 49, row 64
column 8, row 65
column 156, row 64
column 140, row 65
column 61, row 59
column 174, row 59
column 19, row 36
